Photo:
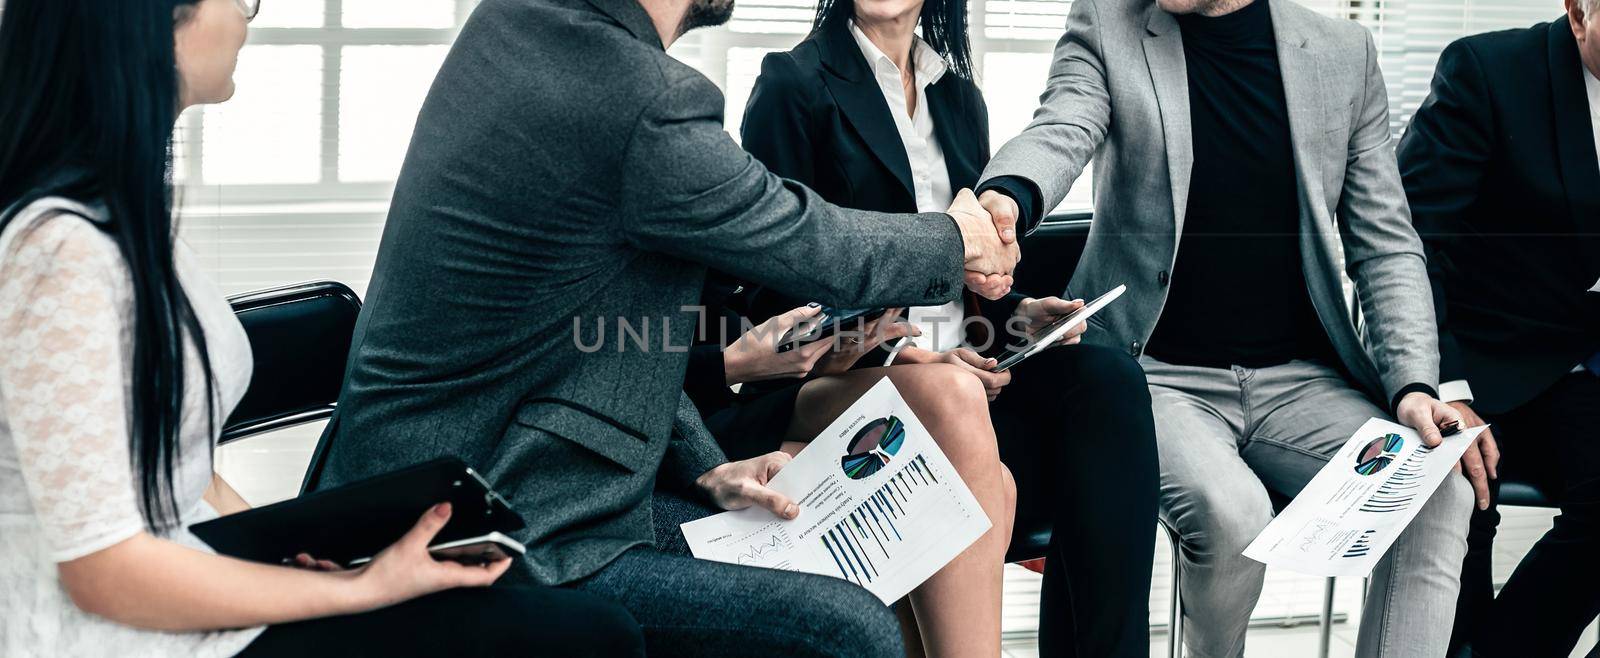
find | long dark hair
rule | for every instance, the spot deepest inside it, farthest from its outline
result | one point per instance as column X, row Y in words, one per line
column 91, row 96
column 943, row 22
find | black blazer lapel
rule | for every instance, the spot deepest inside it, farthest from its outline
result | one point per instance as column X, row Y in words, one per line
column 862, row 102
column 964, row 154
column 1580, row 172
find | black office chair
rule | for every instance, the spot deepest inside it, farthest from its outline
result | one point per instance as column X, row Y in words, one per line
column 1520, row 493
column 1056, row 247
column 300, row 335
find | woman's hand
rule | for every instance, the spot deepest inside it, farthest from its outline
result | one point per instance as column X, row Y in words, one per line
column 980, row 366
column 405, row 570
column 755, row 357
column 851, row 344
column 1039, row 313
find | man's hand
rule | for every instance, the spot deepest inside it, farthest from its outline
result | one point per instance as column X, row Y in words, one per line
column 1003, row 209
column 1425, row 414
column 740, row 484
column 989, row 259
column 1039, row 313
column 1481, row 462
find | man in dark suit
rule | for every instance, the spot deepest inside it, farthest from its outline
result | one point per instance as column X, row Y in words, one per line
column 566, row 188
column 1500, row 166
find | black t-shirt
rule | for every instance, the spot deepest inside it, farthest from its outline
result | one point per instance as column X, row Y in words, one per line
column 1238, row 291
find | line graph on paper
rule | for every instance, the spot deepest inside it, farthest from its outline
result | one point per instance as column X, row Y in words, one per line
column 871, row 534
column 1400, row 490
column 767, row 547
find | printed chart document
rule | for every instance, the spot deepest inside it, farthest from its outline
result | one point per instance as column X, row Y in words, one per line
column 880, row 505
column 1343, row 522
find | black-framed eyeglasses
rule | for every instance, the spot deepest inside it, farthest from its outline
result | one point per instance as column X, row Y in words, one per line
column 250, row 8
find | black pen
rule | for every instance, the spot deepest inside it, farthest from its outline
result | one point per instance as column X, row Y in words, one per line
column 1451, row 428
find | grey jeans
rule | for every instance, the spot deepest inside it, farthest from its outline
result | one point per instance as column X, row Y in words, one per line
column 1228, row 436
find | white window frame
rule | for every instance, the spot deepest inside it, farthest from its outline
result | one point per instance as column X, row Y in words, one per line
column 332, row 37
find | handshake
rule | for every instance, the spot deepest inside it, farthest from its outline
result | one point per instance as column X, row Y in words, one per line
column 989, row 234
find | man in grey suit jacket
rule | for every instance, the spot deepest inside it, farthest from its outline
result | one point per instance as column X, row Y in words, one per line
column 566, row 188
column 1238, row 148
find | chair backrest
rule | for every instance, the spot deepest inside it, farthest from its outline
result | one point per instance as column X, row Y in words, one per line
column 1051, row 254
column 300, row 335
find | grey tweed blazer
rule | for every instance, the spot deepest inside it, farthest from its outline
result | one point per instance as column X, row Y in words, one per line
column 531, row 309
column 1118, row 94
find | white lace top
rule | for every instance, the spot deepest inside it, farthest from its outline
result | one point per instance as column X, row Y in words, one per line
column 66, row 485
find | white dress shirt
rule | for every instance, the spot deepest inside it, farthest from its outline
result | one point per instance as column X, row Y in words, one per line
column 930, row 180
column 1458, row 390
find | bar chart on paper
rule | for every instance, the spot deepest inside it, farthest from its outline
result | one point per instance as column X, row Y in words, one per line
column 871, row 533
column 1352, row 511
column 881, row 506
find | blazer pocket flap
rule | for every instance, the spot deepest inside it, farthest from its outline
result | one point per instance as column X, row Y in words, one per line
column 603, row 436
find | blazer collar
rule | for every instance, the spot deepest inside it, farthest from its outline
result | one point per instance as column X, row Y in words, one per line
column 1300, row 64
column 952, row 118
column 1575, row 137
column 839, row 53
column 1163, row 54
column 632, row 17
column 861, row 101
column 1302, row 82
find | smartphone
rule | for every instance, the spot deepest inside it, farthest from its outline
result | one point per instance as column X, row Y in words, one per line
column 478, row 550
column 482, row 549
column 827, row 323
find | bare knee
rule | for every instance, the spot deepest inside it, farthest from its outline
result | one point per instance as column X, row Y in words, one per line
column 1008, row 489
column 1008, row 485
column 940, row 388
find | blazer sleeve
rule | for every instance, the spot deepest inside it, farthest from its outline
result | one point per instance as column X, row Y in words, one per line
column 1073, row 118
column 689, row 191
column 1383, row 254
column 1444, row 157
column 777, row 127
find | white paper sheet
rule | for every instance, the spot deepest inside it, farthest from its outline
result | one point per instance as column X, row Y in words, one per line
column 1349, row 515
column 1596, row 287
column 885, row 517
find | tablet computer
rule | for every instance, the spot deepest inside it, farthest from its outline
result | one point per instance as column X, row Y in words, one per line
column 357, row 520
column 1052, row 332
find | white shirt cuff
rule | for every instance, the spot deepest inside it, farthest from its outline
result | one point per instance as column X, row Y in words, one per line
column 1455, row 391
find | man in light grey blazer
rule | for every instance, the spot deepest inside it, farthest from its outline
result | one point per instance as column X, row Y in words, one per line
column 1242, row 156
column 567, row 185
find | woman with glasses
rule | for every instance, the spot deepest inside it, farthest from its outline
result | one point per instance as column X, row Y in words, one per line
column 119, row 363
column 878, row 110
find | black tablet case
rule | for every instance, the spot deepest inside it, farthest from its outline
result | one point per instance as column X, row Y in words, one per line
column 360, row 519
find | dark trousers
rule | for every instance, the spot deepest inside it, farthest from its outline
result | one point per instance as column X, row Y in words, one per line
column 692, row 608
column 482, row 622
column 1552, row 441
column 1075, row 429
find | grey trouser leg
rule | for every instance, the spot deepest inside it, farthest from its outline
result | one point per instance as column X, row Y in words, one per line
column 1228, row 435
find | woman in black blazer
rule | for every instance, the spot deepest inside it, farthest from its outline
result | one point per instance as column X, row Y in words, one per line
column 872, row 116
